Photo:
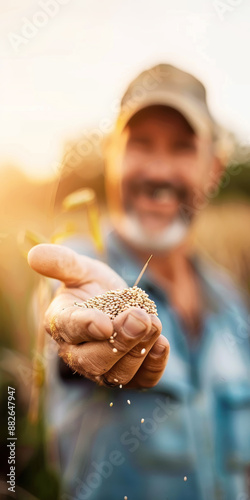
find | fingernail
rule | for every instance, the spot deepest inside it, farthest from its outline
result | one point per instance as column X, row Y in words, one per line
column 158, row 350
column 133, row 326
column 94, row 330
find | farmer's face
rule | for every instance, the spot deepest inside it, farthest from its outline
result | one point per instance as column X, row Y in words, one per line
column 166, row 169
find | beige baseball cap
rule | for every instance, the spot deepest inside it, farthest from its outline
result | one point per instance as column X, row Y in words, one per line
column 168, row 85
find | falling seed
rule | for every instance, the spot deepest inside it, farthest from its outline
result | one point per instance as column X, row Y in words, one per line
column 120, row 386
column 185, row 478
column 114, row 334
column 111, row 404
column 114, row 349
column 111, row 341
column 116, row 380
column 143, row 350
column 125, row 498
column 142, row 420
column 128, row 401
column 111, row 337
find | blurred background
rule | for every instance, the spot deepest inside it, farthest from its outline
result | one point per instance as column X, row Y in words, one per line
column 64, row 66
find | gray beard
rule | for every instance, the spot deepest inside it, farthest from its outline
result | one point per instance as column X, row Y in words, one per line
column 168, row 238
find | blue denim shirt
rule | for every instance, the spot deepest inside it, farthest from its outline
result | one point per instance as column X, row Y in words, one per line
column 194, row 443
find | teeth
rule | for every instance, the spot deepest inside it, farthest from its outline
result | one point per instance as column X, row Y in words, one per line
column 163, row 194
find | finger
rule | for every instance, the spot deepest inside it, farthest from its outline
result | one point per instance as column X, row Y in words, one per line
column 62, row 263
column 64, row 321
column 153, row 366
column 98, row 358
column 125, row 369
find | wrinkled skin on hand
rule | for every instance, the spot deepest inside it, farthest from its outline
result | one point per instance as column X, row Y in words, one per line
column 82, row 334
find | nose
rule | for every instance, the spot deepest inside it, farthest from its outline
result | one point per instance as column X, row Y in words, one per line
column 160, row 165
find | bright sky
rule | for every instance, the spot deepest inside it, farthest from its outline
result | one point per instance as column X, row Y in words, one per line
column 65, row 63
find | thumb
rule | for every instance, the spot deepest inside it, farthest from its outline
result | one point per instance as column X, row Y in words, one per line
column 74, row 270
column 58, row 262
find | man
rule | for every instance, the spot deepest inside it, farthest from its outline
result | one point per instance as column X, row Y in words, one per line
column 179, row 431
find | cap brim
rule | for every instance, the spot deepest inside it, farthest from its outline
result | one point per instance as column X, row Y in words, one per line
column 191, row 108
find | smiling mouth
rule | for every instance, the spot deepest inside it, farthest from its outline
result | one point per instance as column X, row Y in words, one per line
column 159, row 193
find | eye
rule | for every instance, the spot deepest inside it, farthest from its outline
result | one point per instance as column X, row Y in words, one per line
column 185, row 145
column 140, row 140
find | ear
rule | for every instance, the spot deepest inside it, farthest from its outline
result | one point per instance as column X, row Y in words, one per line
column 216, row 172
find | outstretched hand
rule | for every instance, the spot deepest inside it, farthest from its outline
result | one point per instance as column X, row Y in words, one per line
column 82, row 334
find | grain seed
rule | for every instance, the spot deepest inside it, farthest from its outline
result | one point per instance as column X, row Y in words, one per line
column 116, row 301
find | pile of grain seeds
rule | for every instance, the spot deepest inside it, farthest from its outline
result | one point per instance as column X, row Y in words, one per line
column 115, row 302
